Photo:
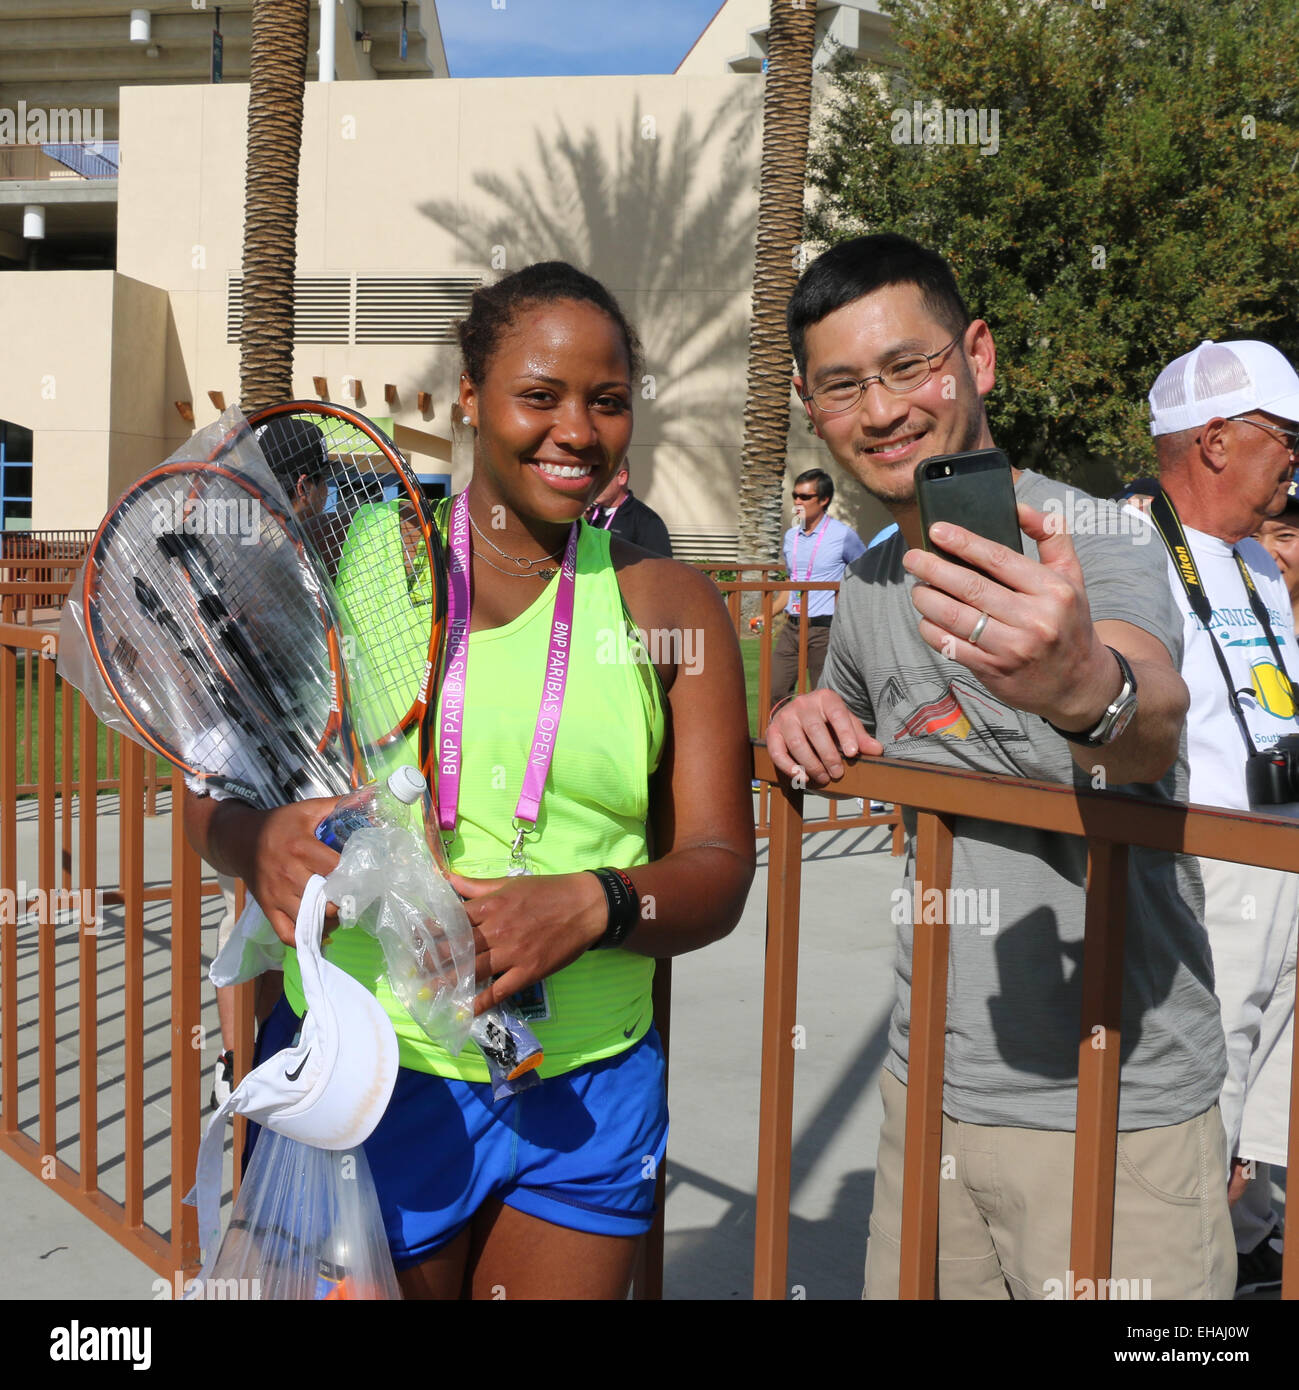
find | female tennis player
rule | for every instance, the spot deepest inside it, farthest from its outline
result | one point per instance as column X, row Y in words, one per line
column 594, row 800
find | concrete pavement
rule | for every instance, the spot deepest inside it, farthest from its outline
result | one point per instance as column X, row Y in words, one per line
column 50, row 1250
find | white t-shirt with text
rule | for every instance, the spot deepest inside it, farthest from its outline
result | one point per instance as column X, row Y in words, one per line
column 1215, row 748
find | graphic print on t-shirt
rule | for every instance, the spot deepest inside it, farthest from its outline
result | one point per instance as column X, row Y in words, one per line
column 957, row 711
column 1271, row 689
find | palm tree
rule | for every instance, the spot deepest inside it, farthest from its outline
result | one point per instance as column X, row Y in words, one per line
column 629, row 210
column 278, row 66
column 786, row 113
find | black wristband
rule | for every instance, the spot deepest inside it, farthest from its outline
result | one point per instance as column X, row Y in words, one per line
column 624, row 908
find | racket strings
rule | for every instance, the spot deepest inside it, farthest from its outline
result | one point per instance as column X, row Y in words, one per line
column 251, row 602
column 355, row 507
column 211, row 638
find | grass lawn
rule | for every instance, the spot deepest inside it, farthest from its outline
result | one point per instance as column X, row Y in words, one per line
column 750, row 650
column 39, row 735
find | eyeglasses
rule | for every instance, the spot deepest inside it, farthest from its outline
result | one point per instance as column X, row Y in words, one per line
column 806, row 496
column 903, row 374
column 1290, row 438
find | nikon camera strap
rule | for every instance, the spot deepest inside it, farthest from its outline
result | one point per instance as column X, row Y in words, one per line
column 1169, row 526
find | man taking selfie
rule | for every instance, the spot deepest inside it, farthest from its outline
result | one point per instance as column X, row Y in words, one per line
column 1060, row 664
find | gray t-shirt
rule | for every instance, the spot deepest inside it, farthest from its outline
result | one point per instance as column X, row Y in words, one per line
column 1015, row 972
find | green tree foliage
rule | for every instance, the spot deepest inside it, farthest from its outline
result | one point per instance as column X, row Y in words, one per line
column 1143, row 195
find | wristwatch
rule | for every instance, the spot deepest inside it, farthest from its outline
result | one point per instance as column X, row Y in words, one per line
column 1118, row 714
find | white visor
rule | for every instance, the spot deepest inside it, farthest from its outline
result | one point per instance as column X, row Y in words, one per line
column 329, row 1090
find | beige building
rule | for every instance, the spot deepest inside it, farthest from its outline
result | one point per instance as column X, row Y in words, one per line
column 735, row 39
column 411, row 194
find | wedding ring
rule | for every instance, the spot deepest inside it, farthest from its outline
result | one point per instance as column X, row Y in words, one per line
column 977, row 630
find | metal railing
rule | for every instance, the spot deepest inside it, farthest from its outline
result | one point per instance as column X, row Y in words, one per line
column 60, row 159
column 35, row 603
column 64, row 848
column 58, row 832
column 69, row 542
column 1110, row 822
column 36, row 568
column 57, row 763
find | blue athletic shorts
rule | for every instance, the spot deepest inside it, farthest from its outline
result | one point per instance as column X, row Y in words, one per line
column 581, row 1150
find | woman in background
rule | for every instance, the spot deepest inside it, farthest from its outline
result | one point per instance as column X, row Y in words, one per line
column 1279, row 536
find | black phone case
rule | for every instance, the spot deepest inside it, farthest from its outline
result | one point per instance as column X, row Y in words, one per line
column 978, row 494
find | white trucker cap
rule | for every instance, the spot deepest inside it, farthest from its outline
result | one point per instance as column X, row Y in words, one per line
column 1219, row 380
column 329, row 1090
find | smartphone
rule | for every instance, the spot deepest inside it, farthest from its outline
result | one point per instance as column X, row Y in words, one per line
column 975, row 490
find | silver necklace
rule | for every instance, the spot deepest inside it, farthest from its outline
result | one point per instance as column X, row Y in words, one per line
column 523, row 568
column 544, row 574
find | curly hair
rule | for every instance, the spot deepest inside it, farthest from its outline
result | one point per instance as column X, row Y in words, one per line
column 494, row 309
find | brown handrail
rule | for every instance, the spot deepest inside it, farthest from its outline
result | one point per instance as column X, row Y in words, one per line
column 1110, row 822
column 74, row 890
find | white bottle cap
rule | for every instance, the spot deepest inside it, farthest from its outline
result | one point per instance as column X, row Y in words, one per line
column 406, row 784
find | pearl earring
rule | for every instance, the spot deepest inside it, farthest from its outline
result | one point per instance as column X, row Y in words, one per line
column 465, row 419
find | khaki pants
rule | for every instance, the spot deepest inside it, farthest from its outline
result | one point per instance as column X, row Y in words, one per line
column 1006, row 1201
column 784, row 659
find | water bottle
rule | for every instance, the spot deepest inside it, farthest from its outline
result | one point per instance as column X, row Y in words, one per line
column 332, row 1282
column 376, row 803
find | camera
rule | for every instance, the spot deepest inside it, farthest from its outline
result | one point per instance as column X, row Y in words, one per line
column 1272, row 778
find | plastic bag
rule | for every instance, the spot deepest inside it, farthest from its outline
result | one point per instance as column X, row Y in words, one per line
column 211, row 619
column 251, row 948
column 306, row 1225
column 386, row 883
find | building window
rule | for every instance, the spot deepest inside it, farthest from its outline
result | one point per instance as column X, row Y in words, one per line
column 15, row 477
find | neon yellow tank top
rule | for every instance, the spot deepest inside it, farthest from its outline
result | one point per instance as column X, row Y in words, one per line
column 593, row 812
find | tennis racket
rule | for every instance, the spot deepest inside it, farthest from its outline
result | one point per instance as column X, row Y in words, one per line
column 214, row 636
column 364, row 514
column 219, row 619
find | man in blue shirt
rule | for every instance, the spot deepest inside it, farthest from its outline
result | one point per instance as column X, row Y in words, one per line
column 817, row 548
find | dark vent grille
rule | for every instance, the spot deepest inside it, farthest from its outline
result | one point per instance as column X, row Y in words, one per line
column 411, row 308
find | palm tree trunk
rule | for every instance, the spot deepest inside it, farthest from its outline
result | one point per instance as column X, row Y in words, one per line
column 786, row 112
column 278, row 65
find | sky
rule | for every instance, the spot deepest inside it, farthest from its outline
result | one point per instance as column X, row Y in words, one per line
column 567, row 38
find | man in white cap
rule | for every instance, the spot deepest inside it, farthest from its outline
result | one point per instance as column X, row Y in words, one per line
column 1225, row 418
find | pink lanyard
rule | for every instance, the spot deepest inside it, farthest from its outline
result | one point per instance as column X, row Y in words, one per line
column 460, row 603
column 613, row 512
column 793, row 564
